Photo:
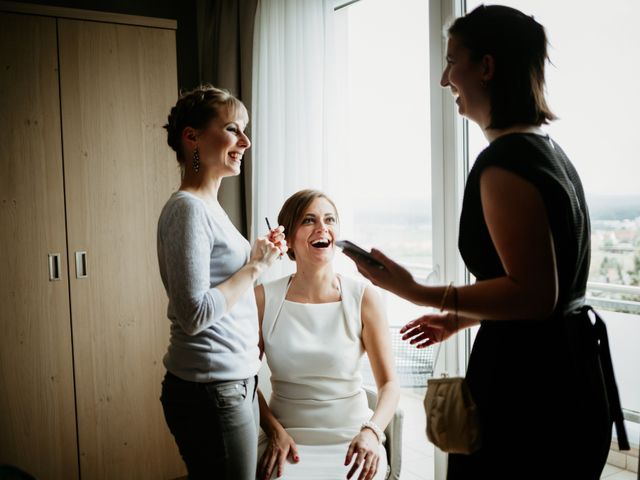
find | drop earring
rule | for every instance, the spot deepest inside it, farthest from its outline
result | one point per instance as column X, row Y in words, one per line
column 195, row 162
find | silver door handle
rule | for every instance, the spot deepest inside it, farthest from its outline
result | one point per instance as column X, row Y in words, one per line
column 81, row 265
column 54, row 267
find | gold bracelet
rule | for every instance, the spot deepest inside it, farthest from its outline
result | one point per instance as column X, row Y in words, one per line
column 444, row 296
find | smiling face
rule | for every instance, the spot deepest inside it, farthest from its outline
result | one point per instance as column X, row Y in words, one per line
column 316, row 232
column 223, row 143
column 465, row 78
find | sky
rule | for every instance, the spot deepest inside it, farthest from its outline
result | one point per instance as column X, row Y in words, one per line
column 592, row 87
column 388, row 76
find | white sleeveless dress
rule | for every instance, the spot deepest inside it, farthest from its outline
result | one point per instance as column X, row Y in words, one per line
column 315, row 352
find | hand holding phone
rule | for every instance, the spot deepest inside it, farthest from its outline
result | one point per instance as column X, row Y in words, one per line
column 352, row 248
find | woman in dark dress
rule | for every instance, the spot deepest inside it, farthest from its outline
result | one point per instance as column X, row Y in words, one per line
column 525, row 236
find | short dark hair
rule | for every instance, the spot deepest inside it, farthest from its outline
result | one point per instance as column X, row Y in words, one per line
column 518, row 45
column 196, row 108
column 292, row 211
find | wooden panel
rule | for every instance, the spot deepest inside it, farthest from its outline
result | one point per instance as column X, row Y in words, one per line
column 118, row 84
column 37, row 417
column 64, row 12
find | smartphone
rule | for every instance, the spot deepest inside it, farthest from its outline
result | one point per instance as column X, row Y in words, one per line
column 360, row 252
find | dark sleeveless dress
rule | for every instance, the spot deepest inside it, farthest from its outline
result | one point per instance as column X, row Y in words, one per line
column 543, row 410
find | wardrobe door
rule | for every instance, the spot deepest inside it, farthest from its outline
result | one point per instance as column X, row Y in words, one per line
column 37, row 415
column 118, row 83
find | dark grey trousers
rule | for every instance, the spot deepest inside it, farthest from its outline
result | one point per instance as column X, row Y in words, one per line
column 215, row 426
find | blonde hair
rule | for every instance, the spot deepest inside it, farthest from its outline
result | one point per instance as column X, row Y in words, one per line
column 196, row 108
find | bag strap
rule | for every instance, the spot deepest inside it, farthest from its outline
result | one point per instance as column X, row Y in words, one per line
column 615, row 408
column 435, row 361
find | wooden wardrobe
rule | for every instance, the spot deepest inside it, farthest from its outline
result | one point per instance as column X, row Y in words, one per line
column 84, row 172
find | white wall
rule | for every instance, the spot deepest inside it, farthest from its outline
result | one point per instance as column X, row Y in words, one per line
column 624, row 340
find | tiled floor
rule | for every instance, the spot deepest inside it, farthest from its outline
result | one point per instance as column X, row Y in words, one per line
column 417, row 452
column 613, row 473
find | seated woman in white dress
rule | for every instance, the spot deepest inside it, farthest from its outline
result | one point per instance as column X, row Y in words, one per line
column 315, row 327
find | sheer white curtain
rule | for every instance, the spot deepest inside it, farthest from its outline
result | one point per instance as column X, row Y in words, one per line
column 295, row 109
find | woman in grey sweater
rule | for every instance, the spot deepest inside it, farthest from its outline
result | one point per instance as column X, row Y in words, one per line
column 208, row 269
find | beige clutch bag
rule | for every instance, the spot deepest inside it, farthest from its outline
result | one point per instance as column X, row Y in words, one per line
column 453, row 424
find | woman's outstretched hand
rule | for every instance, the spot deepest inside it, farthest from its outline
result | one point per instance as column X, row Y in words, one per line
column 393, row 277
column 281, row 445
column 429, row 329
column 364, row 447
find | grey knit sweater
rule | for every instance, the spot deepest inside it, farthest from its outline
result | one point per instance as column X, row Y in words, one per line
column 197, row 250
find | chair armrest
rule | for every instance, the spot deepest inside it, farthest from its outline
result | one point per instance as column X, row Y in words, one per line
column 393, row 432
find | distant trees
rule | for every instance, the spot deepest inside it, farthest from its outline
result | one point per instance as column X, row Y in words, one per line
column 607, row 265
column 634, row 274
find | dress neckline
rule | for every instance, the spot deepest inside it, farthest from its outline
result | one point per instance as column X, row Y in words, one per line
column 293, row 302
column 312, row 303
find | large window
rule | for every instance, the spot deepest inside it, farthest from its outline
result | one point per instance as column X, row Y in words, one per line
column 386, row 157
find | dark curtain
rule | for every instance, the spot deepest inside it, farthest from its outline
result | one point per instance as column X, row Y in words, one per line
column 225, row 45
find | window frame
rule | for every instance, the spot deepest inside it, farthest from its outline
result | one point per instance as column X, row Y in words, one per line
column 449, row 169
